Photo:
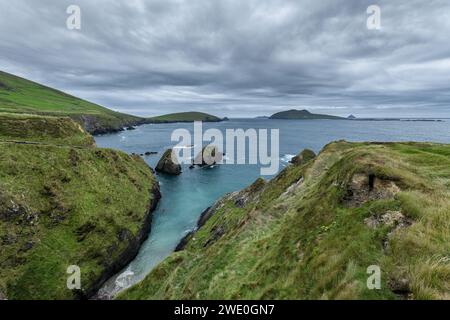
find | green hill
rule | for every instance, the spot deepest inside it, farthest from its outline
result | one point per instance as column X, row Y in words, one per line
column 313, row 231
column 18, row 95
column 185, row 117
column 302, row 115
column 65, row 202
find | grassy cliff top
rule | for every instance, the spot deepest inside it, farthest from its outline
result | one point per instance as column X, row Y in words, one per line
column 64, row 202
column 43, row 129
column 302, row 114
column 313, row 231
column 18, row 95
column 185, row 117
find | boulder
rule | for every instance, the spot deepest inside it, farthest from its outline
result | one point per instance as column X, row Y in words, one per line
column 209, row 156
column 303, row 157
column 168, row 163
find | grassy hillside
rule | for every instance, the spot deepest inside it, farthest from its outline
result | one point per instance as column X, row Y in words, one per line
column 312, row 232
column 302, row 115
column 41, row 129
column 18, row 95
column 64, row 202
column 185, row 117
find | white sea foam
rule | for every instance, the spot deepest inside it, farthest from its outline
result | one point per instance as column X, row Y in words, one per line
column 184, row 147
column 124, row 280
column 287, row 157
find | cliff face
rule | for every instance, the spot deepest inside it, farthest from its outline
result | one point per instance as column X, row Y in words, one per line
column 65, row 202
column 315, row 230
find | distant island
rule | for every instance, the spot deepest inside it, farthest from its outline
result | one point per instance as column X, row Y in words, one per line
column 302, row 115
column 186, row 117
column 306, row 115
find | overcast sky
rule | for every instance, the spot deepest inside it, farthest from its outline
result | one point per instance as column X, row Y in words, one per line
column 236, row 57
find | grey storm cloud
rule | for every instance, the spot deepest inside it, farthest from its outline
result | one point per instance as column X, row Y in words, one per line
column 236, row 58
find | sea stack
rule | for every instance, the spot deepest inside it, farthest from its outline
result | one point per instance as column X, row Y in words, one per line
column 168, row 163
column 209, row 156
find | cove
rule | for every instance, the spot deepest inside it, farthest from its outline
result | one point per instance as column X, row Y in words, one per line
column 184, row 197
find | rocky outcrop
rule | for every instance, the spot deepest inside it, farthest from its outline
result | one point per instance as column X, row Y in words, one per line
column 210, row 155
column 365, row 187
column 204, row 217
column 97, row 125
column 303, row 157
column 168, row 163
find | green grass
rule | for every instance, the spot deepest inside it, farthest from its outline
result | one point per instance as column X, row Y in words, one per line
column 64, row 202
column 41, row 129
column 185, row 117
column 311, row 242
column 18, row 95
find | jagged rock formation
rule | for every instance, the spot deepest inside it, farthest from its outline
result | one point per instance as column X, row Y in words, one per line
column 168, row 163
column 210, row 155
column 303, row 157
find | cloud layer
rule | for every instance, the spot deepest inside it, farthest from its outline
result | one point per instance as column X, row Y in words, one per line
column 236, row 58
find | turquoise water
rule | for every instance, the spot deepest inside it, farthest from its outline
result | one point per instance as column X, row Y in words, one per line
column 187, row 195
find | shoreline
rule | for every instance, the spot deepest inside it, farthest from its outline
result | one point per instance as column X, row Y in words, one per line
column 129, row 254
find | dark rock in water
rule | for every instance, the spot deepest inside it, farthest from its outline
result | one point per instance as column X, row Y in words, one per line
column 209, row 156
column 191, row 166
column 149, row 153
column 131, row 128
column 184, row 241
column 351, row 117
column 303, row 157
column 206, row 214
column 168, row 163
column 204, row 217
